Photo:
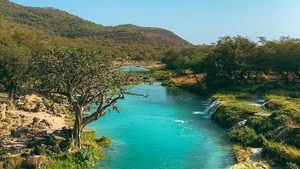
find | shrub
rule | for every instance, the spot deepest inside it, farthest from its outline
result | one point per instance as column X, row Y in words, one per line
column 65, row 145
column 281, row 153
column 290, row 165
column 104, row 141
column 13, row 162
column 39, row 150
column 88, row 135
column 245, row 136
column 241, row 154
column 223, row 97
column 230, row 113
column 87, row 157
column 83, row 158
column 255, row 122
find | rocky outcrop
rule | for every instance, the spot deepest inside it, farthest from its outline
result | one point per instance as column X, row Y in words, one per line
column 287, row 134
column 247, row 157
column 2, row 111
column 35, row 103
column 31, row 126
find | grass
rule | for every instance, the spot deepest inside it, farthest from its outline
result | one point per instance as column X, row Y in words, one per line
column 285, row 104
column 90, row 153
column 241, row 154
column 273, row 127
column 281, row 153
column 231, row 112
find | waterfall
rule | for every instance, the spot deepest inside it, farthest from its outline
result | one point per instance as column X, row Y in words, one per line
column 211, row 109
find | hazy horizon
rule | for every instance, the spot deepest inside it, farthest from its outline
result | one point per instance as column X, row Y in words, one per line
column 197, row 21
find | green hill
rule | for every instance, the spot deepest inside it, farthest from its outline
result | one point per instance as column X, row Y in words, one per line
column 53, row 27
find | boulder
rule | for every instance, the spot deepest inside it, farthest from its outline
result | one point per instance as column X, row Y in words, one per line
column 39, row 149
column 44, row 122
column 3, row 111
column 13, row 162
column 19, row 132
column 34, row 162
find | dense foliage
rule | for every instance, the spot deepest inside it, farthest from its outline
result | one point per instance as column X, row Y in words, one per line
column 239, row 61
column 246, row 136
column 85, row 77
column 14, row 62
column 86, row 157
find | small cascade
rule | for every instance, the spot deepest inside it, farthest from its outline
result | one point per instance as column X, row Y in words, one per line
column 215, row 106
column 264, row 105
column 256, row 154
column 239, row 124
column 211, row 109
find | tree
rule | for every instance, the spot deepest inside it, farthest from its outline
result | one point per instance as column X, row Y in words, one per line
column 227, row 64
column 14, row 63
column 85, row 77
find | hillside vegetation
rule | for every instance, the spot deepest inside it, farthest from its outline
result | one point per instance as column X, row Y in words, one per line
column 38, row 28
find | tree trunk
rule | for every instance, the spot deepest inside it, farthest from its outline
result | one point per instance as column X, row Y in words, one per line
column 76, row 135
column 197, row 80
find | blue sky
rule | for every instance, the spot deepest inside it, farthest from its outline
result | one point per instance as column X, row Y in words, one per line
column 198, row 21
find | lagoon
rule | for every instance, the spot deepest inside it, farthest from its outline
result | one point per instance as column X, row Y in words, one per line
column 163, row 132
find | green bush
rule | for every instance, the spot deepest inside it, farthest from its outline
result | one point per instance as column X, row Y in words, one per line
column 245, row 136
column 88, row 135
column 104, row 141
column 69, row 163
column 290, row 165
column 230, row 113
column 65, row 145
column 241, row 154
column 281, row 153
column 86, row 157
column 255, row 122
column 264, row 125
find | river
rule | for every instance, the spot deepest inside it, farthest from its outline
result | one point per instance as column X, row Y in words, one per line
column 163, row 131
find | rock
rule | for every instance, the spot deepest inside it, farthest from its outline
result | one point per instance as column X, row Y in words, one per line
column 40, row 107
column 3, row 111
column 34, row 162
column 65, row 133
column 19, row 132
column 39, row 149
column 65, row 145
column 35, row 121
column 55, row 149
column 13, row 162
column 10, row 105
column 4, row 124
column 46, row 123
column 31, row 103
column 12, row 114
column 8, row 120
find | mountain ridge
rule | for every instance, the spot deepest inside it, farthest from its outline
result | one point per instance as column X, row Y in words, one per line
column 128, row 39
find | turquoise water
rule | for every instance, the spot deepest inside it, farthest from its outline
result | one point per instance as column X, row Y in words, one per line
column 161, row 132
column 134, row 68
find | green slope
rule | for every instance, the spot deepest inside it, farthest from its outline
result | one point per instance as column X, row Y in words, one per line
column 59, row 27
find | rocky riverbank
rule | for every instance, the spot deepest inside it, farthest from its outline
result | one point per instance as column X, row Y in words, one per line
column 35, row 133
column 266, row 134
column 29, row 126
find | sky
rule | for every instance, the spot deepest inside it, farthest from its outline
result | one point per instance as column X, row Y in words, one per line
column 197, row 21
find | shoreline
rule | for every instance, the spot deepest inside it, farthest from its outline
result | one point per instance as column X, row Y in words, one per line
column 285, row 99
